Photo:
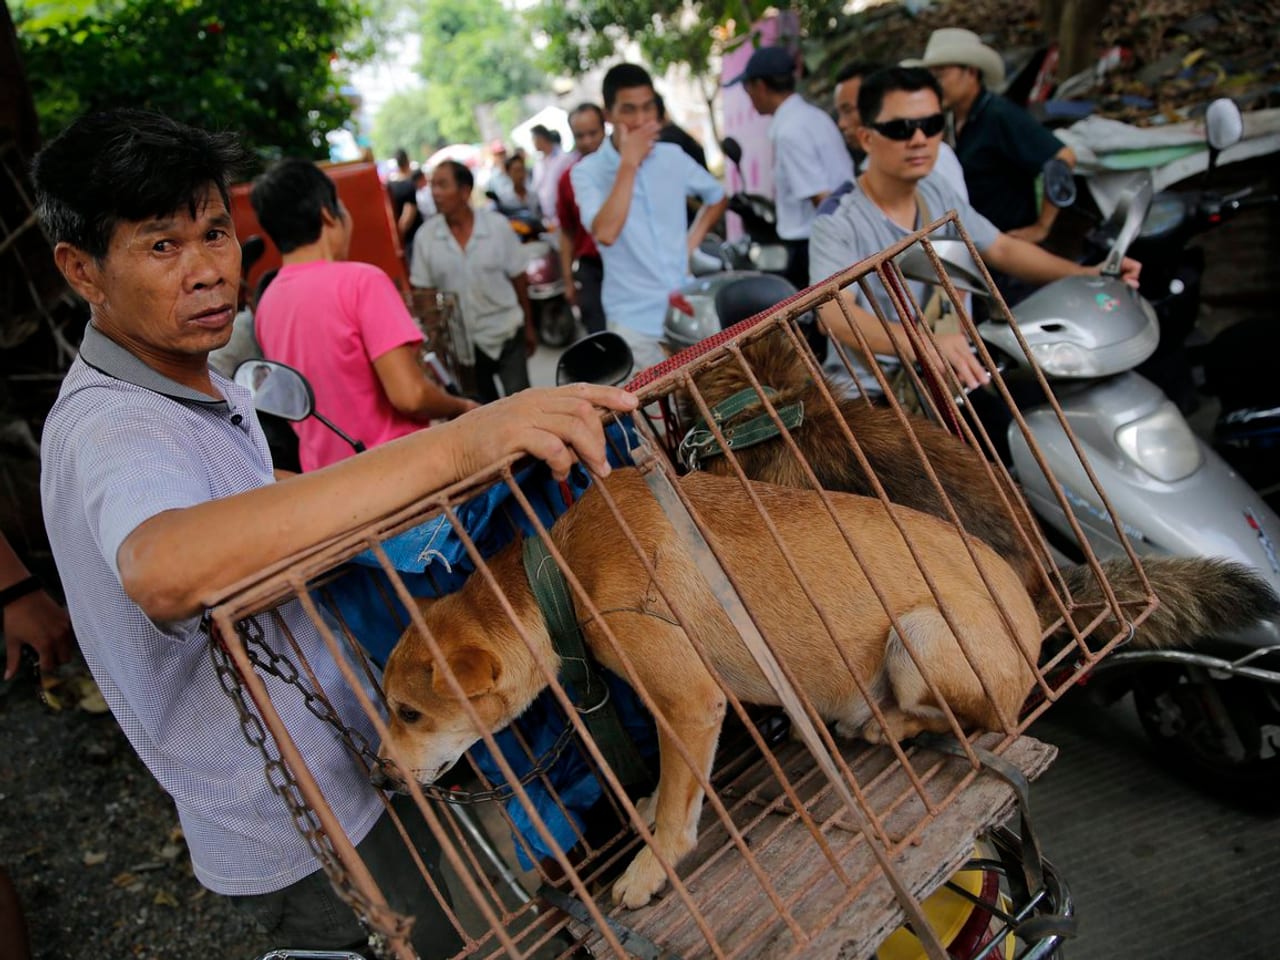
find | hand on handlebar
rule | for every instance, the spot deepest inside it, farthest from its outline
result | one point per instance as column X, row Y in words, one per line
column 955, row 349
column 1130, row 269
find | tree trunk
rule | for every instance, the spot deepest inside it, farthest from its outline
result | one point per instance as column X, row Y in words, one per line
column 1078, row 35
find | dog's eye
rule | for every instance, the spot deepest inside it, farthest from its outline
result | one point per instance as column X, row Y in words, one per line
column 408, row 714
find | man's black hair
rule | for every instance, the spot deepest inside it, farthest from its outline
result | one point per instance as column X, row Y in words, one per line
column 661, row 105
column 587, row 107
column 462, row 174
column 127, row 166
column 541, row 130
column 859, row 68
column 623, row 76
column 889, row 80
column 402, row 158
column 780, row 82
column 508, row 163
column 289, row 200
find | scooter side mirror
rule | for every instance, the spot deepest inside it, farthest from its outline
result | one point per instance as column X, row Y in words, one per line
column 732, row 149
column 1223, row 124
column 603, row 358
column 956, row 260
column 251, row 252
column 284, row 392
column 277, row 389
column 1132, row 210
column 1059, row 183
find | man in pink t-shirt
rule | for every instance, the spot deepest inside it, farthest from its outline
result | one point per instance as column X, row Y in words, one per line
column 342, row 324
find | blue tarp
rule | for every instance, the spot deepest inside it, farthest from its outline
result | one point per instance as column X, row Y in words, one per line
column 432, row 561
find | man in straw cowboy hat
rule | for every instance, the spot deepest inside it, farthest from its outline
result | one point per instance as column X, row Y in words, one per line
column 1002, row 148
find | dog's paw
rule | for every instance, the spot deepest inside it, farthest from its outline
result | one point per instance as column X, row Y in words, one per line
column 641, row 880
column 872, row 732
column 647, row 809
column 848, row 731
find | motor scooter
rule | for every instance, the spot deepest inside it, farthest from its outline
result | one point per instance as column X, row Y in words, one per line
column 552, row 315
column 718, row 264
column 1172, row 266
column 1212, row 709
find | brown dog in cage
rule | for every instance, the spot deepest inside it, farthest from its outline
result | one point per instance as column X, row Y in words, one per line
column 1199, row 596
column 430, row 729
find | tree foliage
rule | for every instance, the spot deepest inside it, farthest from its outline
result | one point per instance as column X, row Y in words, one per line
column 264, row 70
column 404, row 121
column 474, row 52
column 585, row 33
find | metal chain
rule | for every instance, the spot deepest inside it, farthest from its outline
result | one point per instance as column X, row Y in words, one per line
column 281, row 667
column 286, row 787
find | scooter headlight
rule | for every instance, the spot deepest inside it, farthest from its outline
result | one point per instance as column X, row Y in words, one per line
column 1064, row 359
column 1162, row 444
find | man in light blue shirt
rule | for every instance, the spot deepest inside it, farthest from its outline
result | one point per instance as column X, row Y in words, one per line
column 631, row 195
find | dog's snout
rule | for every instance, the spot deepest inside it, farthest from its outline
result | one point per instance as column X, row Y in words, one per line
column 383, row 776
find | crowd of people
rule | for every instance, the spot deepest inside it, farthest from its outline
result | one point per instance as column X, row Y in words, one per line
column 158, row 486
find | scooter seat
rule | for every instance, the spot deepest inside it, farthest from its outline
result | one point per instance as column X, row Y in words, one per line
column 749, row 295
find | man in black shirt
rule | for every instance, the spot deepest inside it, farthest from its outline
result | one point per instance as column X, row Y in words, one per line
column 1002, row 148
column 671, row 133
column 403, row 192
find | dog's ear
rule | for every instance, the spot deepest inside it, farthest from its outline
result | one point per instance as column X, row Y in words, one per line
column 477, row 671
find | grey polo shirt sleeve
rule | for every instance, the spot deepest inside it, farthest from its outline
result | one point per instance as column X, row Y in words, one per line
column 833, row 246
column 940, row 197
column 132, row 469
column 420, row 264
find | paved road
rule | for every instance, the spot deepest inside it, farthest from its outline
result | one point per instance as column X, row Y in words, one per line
column 1158, row 869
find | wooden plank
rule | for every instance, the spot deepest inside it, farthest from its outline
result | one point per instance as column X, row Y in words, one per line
column 833, row 921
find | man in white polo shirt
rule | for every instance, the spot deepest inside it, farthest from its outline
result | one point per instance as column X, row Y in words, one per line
column 809, row 155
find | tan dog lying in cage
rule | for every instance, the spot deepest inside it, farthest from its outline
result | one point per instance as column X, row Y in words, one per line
column 1199, row 596
column 430, row 729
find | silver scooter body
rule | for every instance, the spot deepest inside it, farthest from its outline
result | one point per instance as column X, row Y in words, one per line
column 1173, row 495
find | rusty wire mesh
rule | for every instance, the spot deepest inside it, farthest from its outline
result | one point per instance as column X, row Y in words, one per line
column 810, row 843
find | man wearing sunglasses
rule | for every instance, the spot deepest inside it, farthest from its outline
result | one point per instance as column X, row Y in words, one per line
column 898, row 193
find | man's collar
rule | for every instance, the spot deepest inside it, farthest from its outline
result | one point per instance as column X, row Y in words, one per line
column 789, row 102
column 478, row 227
column 106, row 356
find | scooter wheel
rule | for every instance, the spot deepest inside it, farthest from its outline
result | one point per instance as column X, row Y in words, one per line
column 556, row 324
column 1223, row 734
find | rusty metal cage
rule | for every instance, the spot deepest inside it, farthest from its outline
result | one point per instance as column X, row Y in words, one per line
column 810, row 843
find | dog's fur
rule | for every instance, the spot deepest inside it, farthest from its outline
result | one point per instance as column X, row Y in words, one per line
column 1199, row 597
column 429, row 729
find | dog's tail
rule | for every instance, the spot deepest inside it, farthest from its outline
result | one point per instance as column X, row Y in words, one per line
column 1199, row 597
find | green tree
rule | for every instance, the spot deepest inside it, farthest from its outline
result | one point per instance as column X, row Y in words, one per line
column 474, row 52
column 404, row 121
column 265, row 71
column 582, row 34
